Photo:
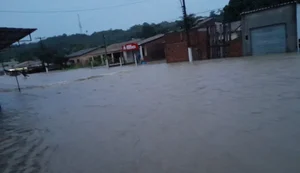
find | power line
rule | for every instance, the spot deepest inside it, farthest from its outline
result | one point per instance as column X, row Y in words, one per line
column 71, row 11
column 209, row 10
column 201, row 12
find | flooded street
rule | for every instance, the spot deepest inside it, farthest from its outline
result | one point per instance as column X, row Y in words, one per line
column 219, row 116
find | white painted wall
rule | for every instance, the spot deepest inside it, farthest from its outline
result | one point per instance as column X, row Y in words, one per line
column 141, row 53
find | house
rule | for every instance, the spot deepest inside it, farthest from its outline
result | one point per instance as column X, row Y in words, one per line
column 176, row 49
column 113, row 52
column 10, row 64
column 81, row 57
column 273, row 29
column 208, row 39
column 152, row 48
column 118, row 50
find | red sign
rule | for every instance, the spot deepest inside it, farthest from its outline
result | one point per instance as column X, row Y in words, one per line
column 130, row 46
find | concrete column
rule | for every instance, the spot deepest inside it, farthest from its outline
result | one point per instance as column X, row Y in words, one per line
column 102, row 61
column 190, row 54
column 135, row 61
column 125, row 56
column 112, row 58
column 141, row 53
column 145, row 50
column 46, row 67
column 121, row 63
column 107, row 65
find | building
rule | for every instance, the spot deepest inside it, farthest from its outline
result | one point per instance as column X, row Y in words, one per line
column 10, row 64
column 176, row 49
column 153, row 48
column 274, row 29
column 209, row 39
column 224, row 40
column 125, row 50
column 81, row 57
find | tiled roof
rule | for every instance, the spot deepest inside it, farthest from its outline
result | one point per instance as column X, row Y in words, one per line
column 81, row 52
column 269, row 7
column 117, row 47
column 28, row 64
column 150, row 39
column 202, row 22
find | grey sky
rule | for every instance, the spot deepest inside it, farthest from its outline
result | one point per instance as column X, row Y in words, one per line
column 121, row 17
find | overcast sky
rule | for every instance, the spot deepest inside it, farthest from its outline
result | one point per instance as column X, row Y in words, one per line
column 115, row 14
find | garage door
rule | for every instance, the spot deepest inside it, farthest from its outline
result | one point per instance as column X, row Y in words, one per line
column 266, row 40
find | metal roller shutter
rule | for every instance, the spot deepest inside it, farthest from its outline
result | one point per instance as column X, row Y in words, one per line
column 266, row 40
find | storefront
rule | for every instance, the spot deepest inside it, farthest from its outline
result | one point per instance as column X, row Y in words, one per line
column 131, row 52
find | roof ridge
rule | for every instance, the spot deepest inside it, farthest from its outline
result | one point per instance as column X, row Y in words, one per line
column 269, row 7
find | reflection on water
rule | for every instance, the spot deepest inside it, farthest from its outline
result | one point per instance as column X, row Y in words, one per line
column 21, row 144
column 223, row 116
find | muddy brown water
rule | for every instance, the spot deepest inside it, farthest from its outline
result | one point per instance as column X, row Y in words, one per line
column 220, row 116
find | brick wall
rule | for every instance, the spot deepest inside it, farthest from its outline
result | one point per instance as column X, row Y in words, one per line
column 235, row 48
column 155, row 50
column 177, row 46
column 199, row 44
column 176, row 52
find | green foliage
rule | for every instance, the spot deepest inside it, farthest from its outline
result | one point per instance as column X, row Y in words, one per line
column 191, row 21
column 218, row 15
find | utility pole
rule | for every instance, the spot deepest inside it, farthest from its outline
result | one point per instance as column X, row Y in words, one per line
column 41, row 43
column 187, row 30
column 43, row 50
column 105, row 47
column 79, row 24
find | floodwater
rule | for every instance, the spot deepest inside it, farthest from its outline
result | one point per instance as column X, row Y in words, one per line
column 219, row 116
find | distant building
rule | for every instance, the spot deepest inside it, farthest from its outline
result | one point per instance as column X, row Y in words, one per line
column 80, row 57
column 274, row 29
column 29, row 64
column 10, row 64
column 114, row 52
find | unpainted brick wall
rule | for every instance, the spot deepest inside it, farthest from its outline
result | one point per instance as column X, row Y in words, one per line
column 176, row 52
column 155, row 50
column 235, row 48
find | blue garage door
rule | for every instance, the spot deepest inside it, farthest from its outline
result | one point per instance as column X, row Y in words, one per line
column 266, row 40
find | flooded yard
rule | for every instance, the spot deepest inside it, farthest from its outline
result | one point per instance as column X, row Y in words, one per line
column 219, row 116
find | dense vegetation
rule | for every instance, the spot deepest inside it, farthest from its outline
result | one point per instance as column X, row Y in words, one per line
column 53, row 49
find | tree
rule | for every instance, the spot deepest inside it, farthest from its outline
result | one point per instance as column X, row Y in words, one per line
column 191, row 21
column 147, row 31
column 218, row 15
